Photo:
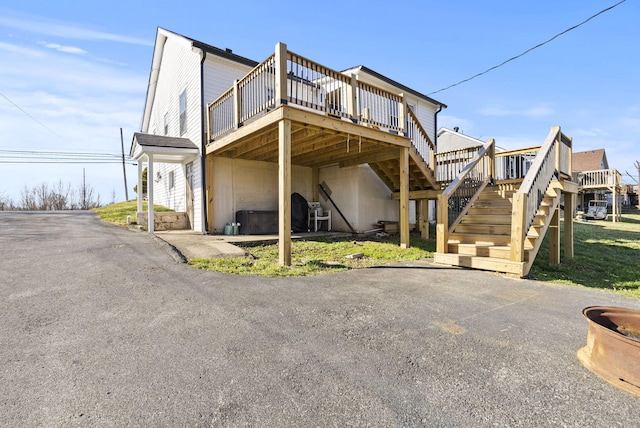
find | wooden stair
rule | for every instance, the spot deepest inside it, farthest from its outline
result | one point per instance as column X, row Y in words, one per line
column 421, row 176
column 482, row 238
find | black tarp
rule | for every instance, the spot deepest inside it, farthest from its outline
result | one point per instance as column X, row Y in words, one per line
column 299, row 213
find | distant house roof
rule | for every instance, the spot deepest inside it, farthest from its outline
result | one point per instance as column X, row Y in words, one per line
column 449, row 140
column 589, row 161
column 394, row 83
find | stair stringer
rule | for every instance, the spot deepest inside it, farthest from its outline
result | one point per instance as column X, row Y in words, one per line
column 552, row 196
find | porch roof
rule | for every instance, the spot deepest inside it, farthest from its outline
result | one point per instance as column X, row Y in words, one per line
column 164, row 149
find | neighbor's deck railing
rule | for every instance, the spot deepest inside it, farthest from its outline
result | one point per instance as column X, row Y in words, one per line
column 288, row 78
column 456, row 199
column 553, row 159
column 514, row 164
column 598, row 179
column 449, row 164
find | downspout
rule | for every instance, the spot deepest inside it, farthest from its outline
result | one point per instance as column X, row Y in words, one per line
column 203, row 147
column 435, row 127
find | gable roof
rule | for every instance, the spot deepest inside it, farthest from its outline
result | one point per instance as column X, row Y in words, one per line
column 163, row 148
column 158, row 49
column 589, row 161
column 449, row 140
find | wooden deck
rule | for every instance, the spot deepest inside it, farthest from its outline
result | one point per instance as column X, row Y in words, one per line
column 292, row 111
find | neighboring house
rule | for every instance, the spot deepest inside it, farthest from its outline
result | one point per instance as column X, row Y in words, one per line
column 589, row 161
column 596, row 181
column 187, row 75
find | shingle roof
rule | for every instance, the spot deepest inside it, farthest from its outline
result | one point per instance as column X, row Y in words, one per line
column 150, row 140
column 588, row 161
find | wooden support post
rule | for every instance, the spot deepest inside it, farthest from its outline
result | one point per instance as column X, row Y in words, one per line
column 315, row 182
column 150, row 195
column 423, row 210
column 140, row 194
column 518, row 231
column 402, row 117
column 209, row 196
column 281, row 74
column 352, row 101
column 404, row 198
column 614, row 204
column 284, row 192
column 442, row 225
column 236, row 105
column 554, row 238
column 568, row 225
column 492, row 160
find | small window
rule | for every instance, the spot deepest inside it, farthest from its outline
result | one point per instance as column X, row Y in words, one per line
column 171, row 179
column 183, row 112
column 166, row 124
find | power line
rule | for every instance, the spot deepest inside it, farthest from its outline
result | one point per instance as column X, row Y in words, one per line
column 529, row 50
column 33, row 118
column 52, row 157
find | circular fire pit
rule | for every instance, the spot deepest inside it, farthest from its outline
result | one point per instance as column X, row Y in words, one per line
column 613, row 346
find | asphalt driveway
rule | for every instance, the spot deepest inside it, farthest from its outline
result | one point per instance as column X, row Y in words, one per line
column 100, row 326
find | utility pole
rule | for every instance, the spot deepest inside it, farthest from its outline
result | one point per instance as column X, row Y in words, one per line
column 124, row 170
column 638, row 184
column 84, row 190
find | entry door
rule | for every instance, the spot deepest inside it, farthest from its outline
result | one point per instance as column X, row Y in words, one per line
column 190, row 194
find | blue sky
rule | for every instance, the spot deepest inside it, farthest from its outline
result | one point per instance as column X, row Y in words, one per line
column 81, row 69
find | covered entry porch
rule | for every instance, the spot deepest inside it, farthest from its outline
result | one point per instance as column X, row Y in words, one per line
column 151, row 149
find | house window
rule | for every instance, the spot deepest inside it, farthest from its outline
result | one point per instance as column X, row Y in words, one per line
column 166, row 124
column 171, row 180
column 183, row 112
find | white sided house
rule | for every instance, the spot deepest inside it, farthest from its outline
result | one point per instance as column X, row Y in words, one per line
column 187, row 75
column 225, row 137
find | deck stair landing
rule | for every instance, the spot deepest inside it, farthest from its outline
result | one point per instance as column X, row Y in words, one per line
column 482, row 238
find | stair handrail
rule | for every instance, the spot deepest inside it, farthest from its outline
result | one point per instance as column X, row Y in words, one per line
column 485, row 175
column 420, row 139
column 528, row 198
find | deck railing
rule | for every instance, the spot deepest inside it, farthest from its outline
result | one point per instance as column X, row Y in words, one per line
column 456, row 199
column 598, row 179
column 288, row 78
column 514, row 164
column 449, row 164
column 548, row 164
column 420, row 139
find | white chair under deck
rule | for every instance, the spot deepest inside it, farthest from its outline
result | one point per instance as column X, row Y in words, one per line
column 317, row 214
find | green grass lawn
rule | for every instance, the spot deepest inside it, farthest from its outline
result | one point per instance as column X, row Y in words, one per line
column 319, row 256
column 117, row 213
column 606, row 256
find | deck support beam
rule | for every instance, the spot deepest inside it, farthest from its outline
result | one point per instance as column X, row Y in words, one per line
column 423, row 218
column 284, row 192
column 404, row 197
column 568, row 225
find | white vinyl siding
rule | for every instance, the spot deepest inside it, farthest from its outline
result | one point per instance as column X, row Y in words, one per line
column 179, row 72
column 182, row 115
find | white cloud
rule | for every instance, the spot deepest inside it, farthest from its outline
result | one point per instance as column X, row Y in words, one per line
column 41, row 25
column 20, row 50
column 63, row 48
